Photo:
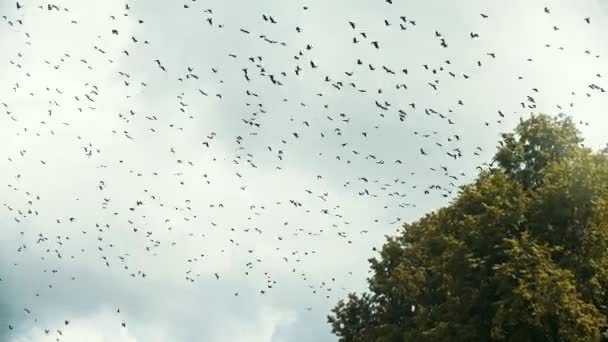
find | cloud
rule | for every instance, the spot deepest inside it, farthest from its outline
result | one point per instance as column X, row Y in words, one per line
column 99, row 328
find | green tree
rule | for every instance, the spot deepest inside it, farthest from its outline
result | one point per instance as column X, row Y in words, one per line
column 520, row 255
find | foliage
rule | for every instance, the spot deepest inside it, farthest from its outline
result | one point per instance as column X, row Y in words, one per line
column 520, row 255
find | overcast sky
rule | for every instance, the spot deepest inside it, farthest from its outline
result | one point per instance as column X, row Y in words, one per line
column 176, row 191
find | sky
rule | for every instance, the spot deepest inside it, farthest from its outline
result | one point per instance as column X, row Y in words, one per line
column 223, row 170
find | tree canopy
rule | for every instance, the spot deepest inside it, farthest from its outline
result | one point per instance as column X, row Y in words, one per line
column 520, row 255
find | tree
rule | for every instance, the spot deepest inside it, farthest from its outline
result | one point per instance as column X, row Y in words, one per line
column 520, row 255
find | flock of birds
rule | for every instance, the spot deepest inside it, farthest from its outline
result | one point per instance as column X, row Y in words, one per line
column 283, row 122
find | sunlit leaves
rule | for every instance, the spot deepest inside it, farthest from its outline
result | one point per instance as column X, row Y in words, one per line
column 520, row 255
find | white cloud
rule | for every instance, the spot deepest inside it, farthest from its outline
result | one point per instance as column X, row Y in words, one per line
column 263, row 329
column 100, row 327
